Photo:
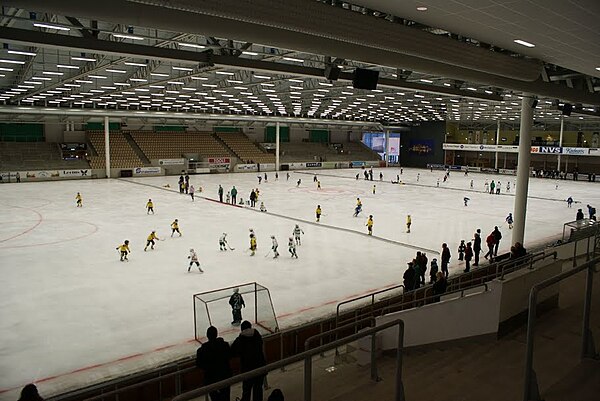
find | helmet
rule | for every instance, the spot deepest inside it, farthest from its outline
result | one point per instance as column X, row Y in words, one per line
column 297, row 225
column 126, row 241
column 191, row 249
column 224, row 234
column 272, row 236
column 291, row 239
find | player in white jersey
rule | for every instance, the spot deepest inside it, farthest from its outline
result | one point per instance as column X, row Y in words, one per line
column 274, row 247
column 223, row 242
column 292, row 248
column 297, row 231
column 194, row 259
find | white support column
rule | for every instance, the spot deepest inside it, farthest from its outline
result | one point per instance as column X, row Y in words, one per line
column 562, row 126
column 524, row 161
column 387, row 146
column 497, row 139
column 107, row 146
column 277, row 146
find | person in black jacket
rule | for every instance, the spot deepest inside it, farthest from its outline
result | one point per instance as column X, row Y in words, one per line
column 497, row 238
column 579, row 215
column 213, row 357
column 249, row 347
column 409, row 277
column 445, row 259
column 30, row 393
column 439, row 287
column 477, row 247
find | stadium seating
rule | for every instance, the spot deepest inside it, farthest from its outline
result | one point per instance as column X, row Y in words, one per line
column 173, row 145
column 243, row 148
column 19, row 156
column 122, row 154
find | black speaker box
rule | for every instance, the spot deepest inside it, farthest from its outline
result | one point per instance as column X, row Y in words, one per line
column 567, row 109
column 365, row 79
column 332, row 72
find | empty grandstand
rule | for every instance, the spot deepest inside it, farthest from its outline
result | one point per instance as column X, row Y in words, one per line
column 165, row 145
column 244, row 148
column 122, row 154
column 17, row 156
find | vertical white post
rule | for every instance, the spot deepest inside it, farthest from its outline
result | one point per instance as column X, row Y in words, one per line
column 497, row 139
column 277, row 146
column 562, row 126
column 387, row 146
column 107, row 146
column 524, row 161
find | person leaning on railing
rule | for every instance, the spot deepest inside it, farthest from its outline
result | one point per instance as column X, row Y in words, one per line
column 517, row 251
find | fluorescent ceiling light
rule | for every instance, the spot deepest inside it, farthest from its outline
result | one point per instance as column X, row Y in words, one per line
column 97, row 76
column 123, row 36
column 296, row 80
column 250, row 53
column 296, row 60
column 138, row 80
column 49, row 26
column 598, row 68
column 83, row 59
column 471, row 89
column 261, row 76
column 182, row 68
column 199, row 78
column 116, row 71
column 523, row 43
column 224, row 73
column 135, row 64
column 158, row 74
column 22, row 53
column 195, row 46
column 11, row 61
column 52, row 73
column 73, row 67
column 427, row 81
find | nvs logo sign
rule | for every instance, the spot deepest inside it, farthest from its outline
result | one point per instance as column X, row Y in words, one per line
column 550, row 149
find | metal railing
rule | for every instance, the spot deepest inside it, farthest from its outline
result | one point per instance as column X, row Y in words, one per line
column 531, row 389
column 363, row 297
column 306, row 356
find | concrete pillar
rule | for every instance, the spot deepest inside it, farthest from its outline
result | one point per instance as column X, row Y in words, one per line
column 524, row 160
column 107, row 146
column 387, row 146
column 497, row 140
column 277, row 146
column 562, row 127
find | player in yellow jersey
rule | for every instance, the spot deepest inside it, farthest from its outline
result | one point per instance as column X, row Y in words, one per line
column 150, row 240
column 150, row 206
column 318, row 212
column 374, row 187
column 370, row 224
column 318, row 184
column 175, row 228
column 408, row 223
column 79, row 200
column 124, row 249
column 252, row 244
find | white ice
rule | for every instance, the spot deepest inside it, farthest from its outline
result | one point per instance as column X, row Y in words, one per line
column 67, row 302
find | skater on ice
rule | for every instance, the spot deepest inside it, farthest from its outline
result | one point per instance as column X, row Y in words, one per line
column 461, row 250
column 374, row 187
column 298, row 182
column 259, row 179
column 193, row 257
column 150, row 240
column 315, row 178
column 252, row 244
column 287, row 176
column 318, row 213
column 380, row 176
column 569, row 201
column 509, row 221
column 175, row 228
column 262, row 207
column 370, row 225
column 437, row 184
column 358, row 208
column 234, row 195
column 228, row 197
column 149, row 206
column 466, row 201
column 292, row 248
column 236, row 301
column 192, row 192
column 487, row 186
column 418, row 176
column 274, row 246
column 408, row 223
column 220, row 192
column 498, row 186
column 223, row 245
column 318, row 184
column 79, row 200
column 297, row 231
column 124, row 250
column 471, row 185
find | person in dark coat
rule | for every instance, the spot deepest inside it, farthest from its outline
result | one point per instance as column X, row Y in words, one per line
column 477, row 247
column 409, row 278
column 220, row 193
column 276, row 395
column 468, row 257
column 213, row 357
column 579, row 215
column 252, row 198
column 497, row 238
column 490, row 244
column 439, row 287
column 517, row 251
column 433, row 271
column 30, row 393
column 445, row 259
column 249, row 347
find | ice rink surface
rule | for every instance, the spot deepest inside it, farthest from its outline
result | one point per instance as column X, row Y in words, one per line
column 67, row 302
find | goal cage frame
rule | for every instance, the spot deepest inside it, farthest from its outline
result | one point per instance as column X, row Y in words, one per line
column 211, row 308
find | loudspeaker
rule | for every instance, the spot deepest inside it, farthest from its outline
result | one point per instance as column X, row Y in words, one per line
column 365, row 79
column 566, row 110
column 332, row 72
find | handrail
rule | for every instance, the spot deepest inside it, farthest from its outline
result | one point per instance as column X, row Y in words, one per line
column 307, row 355
column 531, row 388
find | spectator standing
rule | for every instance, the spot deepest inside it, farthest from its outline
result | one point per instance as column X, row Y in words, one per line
column 213, row 357
column 249, row 347
column 409, row 278
column 592, row 212
column 434, row 271
column 17, row 176
column 468, row 257
column 497, row 238
column 252, row 198
column 220, row 193
column 461, row 250
column 490, row 244
column 233, row 195
column 192, row 192
column 30, row 393
column 579, row 215
column 439, row 287
column 276, row 395
column 445, row 259
column 477, row 246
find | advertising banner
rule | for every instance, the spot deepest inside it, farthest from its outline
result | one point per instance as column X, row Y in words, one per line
column 394, row 147
column 314, row 164
column 171, row 162
column 357, row 164
column 75, row 173
column 508, row 148
column 576, row 151
column 147, row 170
column 507, row 171
column 246, row 167
column 421, row 147
column 42, row 174
column 219, row 160
column 549, row 149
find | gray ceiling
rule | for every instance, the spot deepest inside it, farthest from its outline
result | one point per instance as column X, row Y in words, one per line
column 565, row 32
